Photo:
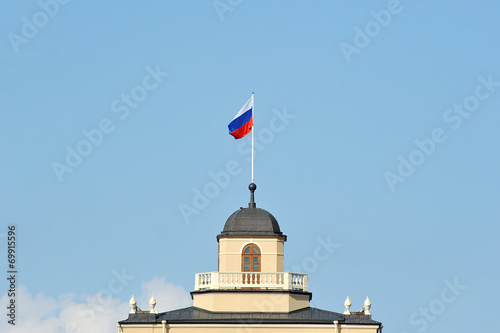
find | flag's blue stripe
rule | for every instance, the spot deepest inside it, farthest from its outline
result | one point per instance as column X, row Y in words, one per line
column 240, row 121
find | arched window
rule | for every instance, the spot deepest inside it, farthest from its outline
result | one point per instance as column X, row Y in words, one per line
column 250, row 259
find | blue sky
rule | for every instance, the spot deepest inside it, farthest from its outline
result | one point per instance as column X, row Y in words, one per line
column 376, row 126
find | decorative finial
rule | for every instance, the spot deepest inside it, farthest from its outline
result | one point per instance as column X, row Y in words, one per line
column 152, row 304
column 347, row 305
column 367, row 306
column 133, row 304
column 252, row 187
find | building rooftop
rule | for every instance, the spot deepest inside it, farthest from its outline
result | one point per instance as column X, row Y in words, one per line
column 193, row 315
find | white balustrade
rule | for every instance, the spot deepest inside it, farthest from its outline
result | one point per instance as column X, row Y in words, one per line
column 253, row 280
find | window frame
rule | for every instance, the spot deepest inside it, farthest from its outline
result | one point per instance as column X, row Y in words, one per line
column 251, row 255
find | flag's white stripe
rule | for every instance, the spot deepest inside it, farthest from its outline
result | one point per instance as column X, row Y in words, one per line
column 248, row 105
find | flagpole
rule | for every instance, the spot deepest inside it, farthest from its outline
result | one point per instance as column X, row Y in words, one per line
column 253, row 130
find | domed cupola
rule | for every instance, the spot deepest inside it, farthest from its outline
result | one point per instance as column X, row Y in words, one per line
column 250, row 267
column 251, row 221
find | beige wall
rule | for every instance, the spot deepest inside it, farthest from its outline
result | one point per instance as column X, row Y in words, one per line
column 247, row 328
column 250, row 301
column 230, row 251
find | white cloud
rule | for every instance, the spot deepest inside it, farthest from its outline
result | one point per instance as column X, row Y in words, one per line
column 168, row 296
column 97, row 313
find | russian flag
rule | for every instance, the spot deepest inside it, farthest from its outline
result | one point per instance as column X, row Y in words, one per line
column 242, row 123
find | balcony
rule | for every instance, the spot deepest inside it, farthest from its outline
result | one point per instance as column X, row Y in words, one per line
column 250, row 280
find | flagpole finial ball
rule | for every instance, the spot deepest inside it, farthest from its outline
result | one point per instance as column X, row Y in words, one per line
column 252, row 188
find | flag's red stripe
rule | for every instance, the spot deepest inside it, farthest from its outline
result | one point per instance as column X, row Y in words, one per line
column 243, row 130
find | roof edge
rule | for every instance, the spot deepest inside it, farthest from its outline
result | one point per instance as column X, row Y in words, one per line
column 250, row 234
column 251, row 318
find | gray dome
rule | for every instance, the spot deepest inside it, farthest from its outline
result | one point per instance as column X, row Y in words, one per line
column 251, row 222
